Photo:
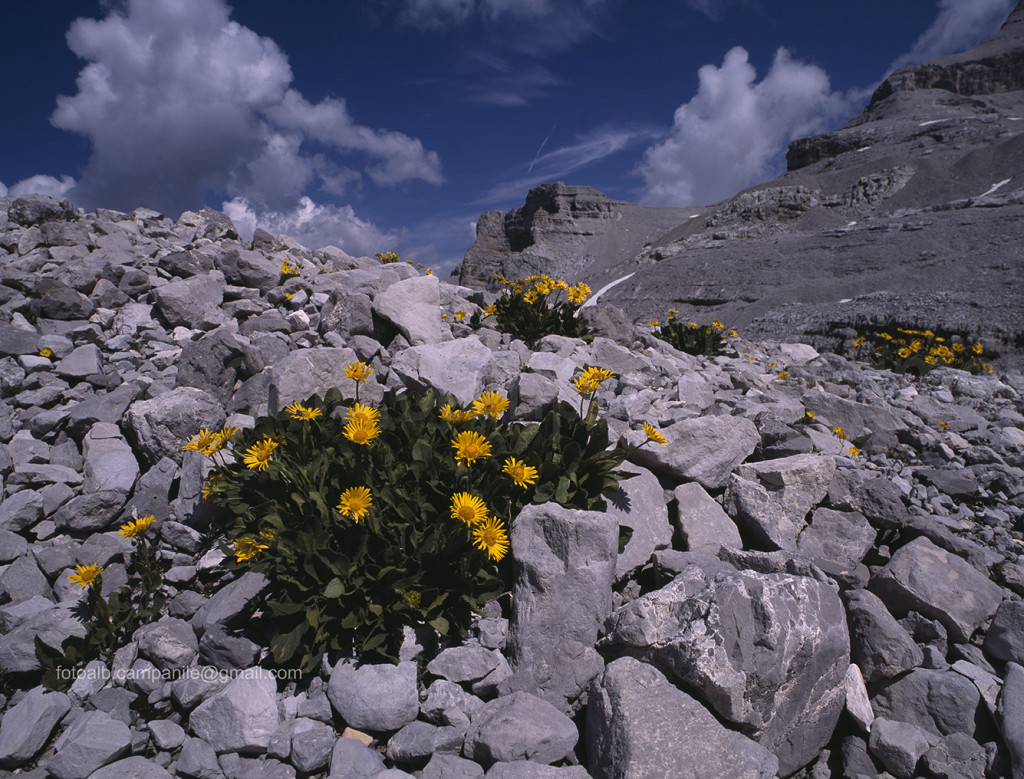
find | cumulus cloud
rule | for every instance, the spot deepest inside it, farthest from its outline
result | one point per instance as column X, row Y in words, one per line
column 179, row 102
column 734, row 131
column 42, row 185
column 312, row 224
column 960, row 25
column 3, row 190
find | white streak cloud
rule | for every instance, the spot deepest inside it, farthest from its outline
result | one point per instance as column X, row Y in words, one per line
column 42, row 184
column 960, row 25
column 180, row 103
column 733, row 133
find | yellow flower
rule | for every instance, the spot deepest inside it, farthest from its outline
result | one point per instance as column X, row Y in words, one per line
column 839, row 433
column 85, row 575
column 958, row 347
column 692, row 325
column 543, row 288
column 288, row 295
column 490, row 537
column 530, row 296
column 584, row 386
column 444, row 316
column 355, row 503
column 258, row 456
column 358, row 371
column 491, row 310
column 468, row 509
column 136, row 527
column 977, row 348
column 673, row 311
column 783, row 375
column 653, row 434
column 470, row 446
column 412, row 597
column 734, row 334
column 944, row 425
column 210, row 486
column 810, row 415
column 490, row 404
column 579, row 293
column 654, row 323
column 44, row 352
column 522, row 474
column 460, row 315
column 594, row 377
column 223, row 436
column 269, row 534
column 360, row 413
column 448, row 414
column 854, row 451
column 904, row 352
column 915, row 346
column 297, row 411
column 860, row 341
column 202, row 441
column 717, row 325
column 360, row 431
column 247, row 548
column 931, row 359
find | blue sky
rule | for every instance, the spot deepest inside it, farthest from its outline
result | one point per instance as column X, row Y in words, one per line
column 382, row 125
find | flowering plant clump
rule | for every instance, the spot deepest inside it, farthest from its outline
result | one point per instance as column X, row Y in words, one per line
column 534, row 307
column 691, row 337
column 386, row 257
column 916, row 352
column 115, row 617
column 366, row 519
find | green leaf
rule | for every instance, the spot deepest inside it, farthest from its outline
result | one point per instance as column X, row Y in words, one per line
column 334, row 589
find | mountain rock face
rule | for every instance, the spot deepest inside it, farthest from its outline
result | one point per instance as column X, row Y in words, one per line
column 567, row 232
column 913, row 213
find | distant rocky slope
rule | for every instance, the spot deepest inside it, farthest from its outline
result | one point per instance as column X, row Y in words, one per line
column 822, row 574
column 913, row 212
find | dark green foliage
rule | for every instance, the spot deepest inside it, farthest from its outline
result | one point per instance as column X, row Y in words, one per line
column 692, row 338
column 538, row 306
column 916, row 352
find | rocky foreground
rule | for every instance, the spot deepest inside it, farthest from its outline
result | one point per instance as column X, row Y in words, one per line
column 823, row 576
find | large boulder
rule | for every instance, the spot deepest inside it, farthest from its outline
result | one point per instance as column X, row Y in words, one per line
column 414, row 307
column 305, row 372
column 640, row 724
column 461, row 367
column 771, row 498
column 922, row 577
column 161, row 426
column 192, row 302
column 639, row 505
column 768, row 652
column 375, row 697
column 564, row 570
column 240, row 718
column 520, row 727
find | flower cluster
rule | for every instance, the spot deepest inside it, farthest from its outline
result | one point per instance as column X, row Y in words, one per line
column 386, row 257
column 691, row 337
column 290, row 268
column 533, row 307
column 905, row 350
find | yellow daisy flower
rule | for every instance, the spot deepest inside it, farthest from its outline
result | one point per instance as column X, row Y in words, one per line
column 355, row 503
column 491, row 404
column 460, row 315
column 44, row 352
column 202, row 441
column 136, row 527
column 361, row 413
column 653, row 434
column 85, row 575
column 468, row 509
column 470, row 446
column 361, row 431
column 258, row 456
column 247, row 548
column 522, row 474
column 490, row 536
column 358, row 371
column 839, row 433
column 297, row 411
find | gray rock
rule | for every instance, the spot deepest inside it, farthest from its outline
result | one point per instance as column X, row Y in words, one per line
column 221, row 649
column 248, row 269
column 21, row 510
column 375, row 697
column 448, row 704
column 463, row 663
column 26, row 726
column 199, row 760
column 92, row 512
column 836, row 540
column 28, row 210
column 520, row 726
column 109, row 407
column 211, row 364
column 461, row 367
column 878, row 644
column 161, row 426
column 956, row 757
column 1011, row 716
column 941, row 702
column 527, row 769
column 564, row 569
column 225, row 607
column 639, row 505
column 240, row 718
column 22, row 580
column 899, row 745
column 109, row 461
column 858, row 420
column 65, row 304
column 14, row 614
column 311, row 749
column 702, row 449
column 1005, row 637
column 309, row 371
column 451, row 767
column 418, row 740
column 84, row 361
column 702, row 523
column 91, row 742
column 347, row 315
column 167, row 735
column 414, row 307
column 12, row 546
column 768, row 652
column 857, row 703
column 640, row 724
column 771, row 498
column 351, row 759
column 170, row 643
column 136, row 767
column 924, row 578
column 189, row 691
column 191, row 302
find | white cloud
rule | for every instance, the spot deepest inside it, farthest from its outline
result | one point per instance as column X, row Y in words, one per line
column 960, row 25
column 42, row 185
column 313, row 225
column 3, row 190
column 558, row 163
column 179, row 102
column 734, row 131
